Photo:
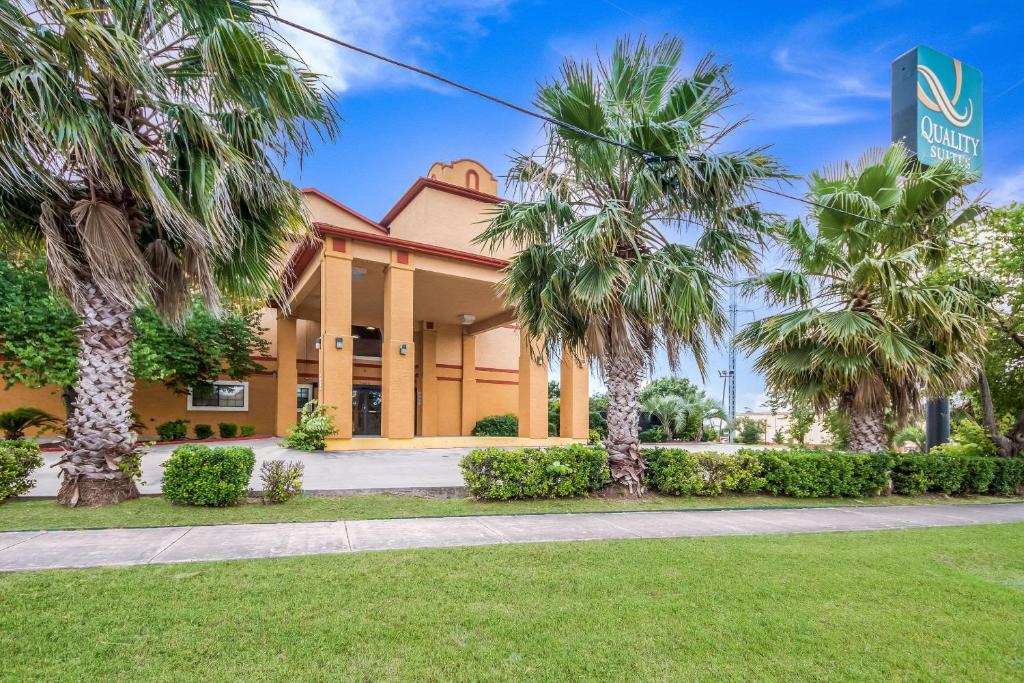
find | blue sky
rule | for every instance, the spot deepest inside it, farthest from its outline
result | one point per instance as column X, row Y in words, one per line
column 814, row 81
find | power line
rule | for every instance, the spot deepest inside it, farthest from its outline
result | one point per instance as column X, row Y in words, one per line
column 648, row 156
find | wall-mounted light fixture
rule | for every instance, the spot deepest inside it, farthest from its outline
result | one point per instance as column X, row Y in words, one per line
column 540, row 361
column 403, row 349
column 339, row 342
column 317, row 343
column 466, row 318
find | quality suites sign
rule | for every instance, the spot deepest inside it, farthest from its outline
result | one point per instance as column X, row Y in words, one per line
column 937, row 108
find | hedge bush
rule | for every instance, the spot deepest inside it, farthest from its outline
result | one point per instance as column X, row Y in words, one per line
column 247, row 430
column 199, row 475
column 682, row 473
column 500, row 474
column 913, row 475
column 227, row 430
column 18, row 459
column 175, row 430
column 497, row 425
column 822, row 474
column 281, row 480
column 1007, row 477
column 203, row 431
column 655, row 434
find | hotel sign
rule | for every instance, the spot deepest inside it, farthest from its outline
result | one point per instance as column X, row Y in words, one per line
column 937, row 108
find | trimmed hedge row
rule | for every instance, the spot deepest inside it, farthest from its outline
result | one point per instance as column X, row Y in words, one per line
column 500, row 474
column 819, row 474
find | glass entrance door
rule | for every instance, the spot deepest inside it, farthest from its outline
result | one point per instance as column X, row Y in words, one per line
column 365, row 410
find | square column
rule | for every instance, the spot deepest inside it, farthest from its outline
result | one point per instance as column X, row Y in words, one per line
column 574, row 398
column 335, row 331
column 428, row 373
column 287, row 376
column 533, row 390
column 468, row 384
column 398, row 355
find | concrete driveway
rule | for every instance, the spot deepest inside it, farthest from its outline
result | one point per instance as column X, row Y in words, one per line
column 427, row 470
column 355, row 471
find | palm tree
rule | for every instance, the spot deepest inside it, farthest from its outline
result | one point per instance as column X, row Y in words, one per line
column 708, row 409
column 13, row 423
column 867, row 324
column 140, row 142
column 669, row 409
column 594, row 269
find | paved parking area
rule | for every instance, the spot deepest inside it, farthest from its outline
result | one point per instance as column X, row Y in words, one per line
column 429, row 470
column 20, row 551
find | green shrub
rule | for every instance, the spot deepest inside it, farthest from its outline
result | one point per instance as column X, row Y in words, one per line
column 247, row 430
column 281, row 480
column 1007, row 477
column 967, row 432
column 916, row 474
column 962, row 450
column 750, row 431
column 203, row 431
column 655, row 434
column 710, row 434
column 500, row 474
column 175, row 430
column 18, row 459
column 680, row 472
column 315, row 425
column 820, row 474
column 200, row 475
column 497, row 425
column 594, row 438
column 227, row 430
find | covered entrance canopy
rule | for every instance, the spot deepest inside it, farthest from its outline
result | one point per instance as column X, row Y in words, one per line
column 449, row 353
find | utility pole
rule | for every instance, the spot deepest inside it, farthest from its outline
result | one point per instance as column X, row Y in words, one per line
column 732, row 362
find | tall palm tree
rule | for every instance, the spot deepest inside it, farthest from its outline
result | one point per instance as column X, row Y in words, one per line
column 140, row 142
column 595, row 270
column 867, row 324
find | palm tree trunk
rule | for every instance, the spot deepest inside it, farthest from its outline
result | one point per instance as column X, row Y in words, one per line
column 867, row 431
column 623, row 442
column 100, row 425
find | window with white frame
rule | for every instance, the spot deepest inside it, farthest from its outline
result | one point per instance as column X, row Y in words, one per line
column 219, row 395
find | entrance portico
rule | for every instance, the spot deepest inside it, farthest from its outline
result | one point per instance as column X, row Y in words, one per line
column 414, row 336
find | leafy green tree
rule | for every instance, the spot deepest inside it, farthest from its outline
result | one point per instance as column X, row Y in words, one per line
column 992, row 248
column 38, row 347
column 595, row 270
column 801, row 422
column 141, row 145
column 750, row 431
column 866, row 326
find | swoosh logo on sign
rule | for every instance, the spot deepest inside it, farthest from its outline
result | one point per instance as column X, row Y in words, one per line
column 939, row 101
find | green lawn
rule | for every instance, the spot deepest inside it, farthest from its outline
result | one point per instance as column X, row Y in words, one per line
column 154, row 511
column 926, row 604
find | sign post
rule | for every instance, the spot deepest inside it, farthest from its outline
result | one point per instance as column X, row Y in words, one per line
column 937, row 113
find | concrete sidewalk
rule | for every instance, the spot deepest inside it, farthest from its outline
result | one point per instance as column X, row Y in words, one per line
column 121, row 547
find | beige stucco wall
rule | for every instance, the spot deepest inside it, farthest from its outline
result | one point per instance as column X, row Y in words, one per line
column 445, row 220
column 817, row 436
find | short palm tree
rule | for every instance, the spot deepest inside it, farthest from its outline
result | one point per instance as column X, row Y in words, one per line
column 669, row 409
column 867, row 325
column 595, row 271
column 13, row 423
column 140, row 142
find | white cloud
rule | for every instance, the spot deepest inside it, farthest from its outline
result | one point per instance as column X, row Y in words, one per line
column 816, row 83
column 402, row 29
column 1007, row 189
